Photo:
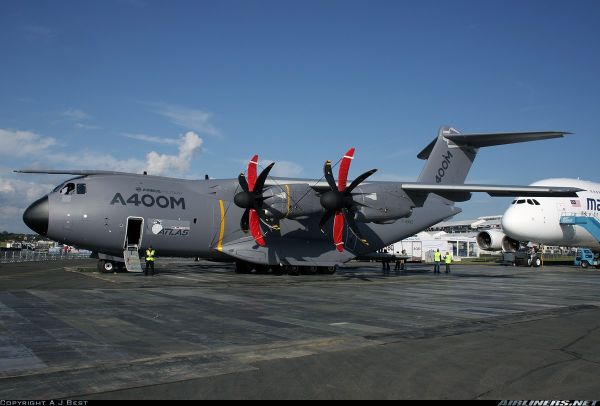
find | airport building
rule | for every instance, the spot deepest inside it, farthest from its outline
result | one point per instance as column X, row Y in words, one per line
column 457, row 237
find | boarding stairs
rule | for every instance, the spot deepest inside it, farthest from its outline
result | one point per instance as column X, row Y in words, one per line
column 132, row 258
column 589, row 222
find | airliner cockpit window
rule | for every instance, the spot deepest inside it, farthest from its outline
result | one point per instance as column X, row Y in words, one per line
column 81, row 188
column 529, row 202
column 536, row 202
column 68, row 189
column 521, row 201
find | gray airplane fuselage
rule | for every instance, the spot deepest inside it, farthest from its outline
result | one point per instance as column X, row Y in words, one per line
column 186, row 218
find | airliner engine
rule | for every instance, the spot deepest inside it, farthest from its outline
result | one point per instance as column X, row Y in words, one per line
column 494, row 240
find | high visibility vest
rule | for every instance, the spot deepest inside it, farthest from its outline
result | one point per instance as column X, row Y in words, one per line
column 437, row 256
column 448, row 258
column 149, row 255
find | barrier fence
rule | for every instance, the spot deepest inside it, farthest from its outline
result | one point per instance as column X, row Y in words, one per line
column 31, row 256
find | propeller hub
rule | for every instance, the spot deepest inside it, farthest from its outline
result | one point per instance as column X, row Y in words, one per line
column 245, row 200
column 332, row 200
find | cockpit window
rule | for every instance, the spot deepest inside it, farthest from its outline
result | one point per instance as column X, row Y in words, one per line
column 514, row 202
column 68, row 189
column 81, row 189
column 529, row 201
column 536, row 202
column 520, row 201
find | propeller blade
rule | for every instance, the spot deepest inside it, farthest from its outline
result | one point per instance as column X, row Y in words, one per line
column 243, row 182
column 255, row 228
column 260, row 182
column 329, row 175
column 344, row 168
column 338, row 229
column 244, row 221
column 360, row 179
column 349, row 215
column 252, row 172
column 325, row 218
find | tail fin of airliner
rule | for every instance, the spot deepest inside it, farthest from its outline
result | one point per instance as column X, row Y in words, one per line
column 450, row 156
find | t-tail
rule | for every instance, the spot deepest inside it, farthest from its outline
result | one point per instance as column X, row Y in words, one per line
column 450, row 156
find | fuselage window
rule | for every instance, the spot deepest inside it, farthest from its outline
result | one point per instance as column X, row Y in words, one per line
column 68, row 189
column 521, row 201
column 81, row 189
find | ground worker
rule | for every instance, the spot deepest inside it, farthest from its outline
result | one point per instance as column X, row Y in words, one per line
column 448, row 261
column 149, row 260
column 437, row 258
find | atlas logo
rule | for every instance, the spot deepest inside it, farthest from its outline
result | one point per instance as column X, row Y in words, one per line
column 149, row 201
column 442, row 169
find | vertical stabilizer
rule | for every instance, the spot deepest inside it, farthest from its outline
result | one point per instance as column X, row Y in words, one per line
column 447, row 162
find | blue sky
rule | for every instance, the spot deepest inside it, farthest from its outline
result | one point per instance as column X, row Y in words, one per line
column 184, row 88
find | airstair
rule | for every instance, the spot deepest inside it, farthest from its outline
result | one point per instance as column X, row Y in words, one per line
column 590, row 223
column 132, row 258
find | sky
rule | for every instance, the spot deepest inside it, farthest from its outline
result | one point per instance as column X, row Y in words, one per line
column 188, row 88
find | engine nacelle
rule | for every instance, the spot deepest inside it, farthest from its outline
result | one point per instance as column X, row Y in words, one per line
column 510, row 245
column 382, row 203
column 490, row 240
column 494, row 240
column 293, row 201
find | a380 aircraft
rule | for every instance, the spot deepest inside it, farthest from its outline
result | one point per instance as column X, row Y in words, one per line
column 292, row 223
column 562, row 221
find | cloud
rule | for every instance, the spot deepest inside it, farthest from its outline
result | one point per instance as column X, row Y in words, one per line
column 284, row 169
column 23, row 143
column 152, row 138
column 86, row 126
column 15, row 196
column 94, row 160
column 190, row 119
column 75, row 114
column 35, row 33
column 159, row 164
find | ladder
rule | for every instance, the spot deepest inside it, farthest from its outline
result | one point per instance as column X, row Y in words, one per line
column 132, row 259
column 591, row 224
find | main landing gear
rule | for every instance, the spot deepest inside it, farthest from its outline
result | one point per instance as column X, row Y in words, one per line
column 247, row 267
column 106, row 266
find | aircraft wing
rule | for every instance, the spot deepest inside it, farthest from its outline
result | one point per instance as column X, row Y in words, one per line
column 72, row 172
column 462, row 192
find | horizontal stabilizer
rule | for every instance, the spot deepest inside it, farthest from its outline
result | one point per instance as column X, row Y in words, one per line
column 492, row 139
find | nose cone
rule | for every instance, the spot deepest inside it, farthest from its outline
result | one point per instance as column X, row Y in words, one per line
column 513, row 224
column 36, row 216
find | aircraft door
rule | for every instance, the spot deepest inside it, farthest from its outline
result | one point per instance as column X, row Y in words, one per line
column 134, row 231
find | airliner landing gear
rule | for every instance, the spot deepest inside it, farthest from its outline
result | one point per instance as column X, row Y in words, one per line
column 105, row 266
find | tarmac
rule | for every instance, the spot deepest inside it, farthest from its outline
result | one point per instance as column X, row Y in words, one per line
column 197, row 330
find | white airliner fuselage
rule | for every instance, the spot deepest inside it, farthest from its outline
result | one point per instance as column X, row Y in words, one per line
column 538, row 219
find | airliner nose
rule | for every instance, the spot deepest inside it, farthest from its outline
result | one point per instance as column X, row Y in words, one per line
column 36, row 216
column 512, row 223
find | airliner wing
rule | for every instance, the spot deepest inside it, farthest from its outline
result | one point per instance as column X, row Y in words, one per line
column 462, row 192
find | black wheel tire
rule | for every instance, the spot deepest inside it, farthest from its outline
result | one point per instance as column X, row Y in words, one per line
column 293, row 270
column 537, row 262
column 106, row 266
column 243, row 267
column 585, row 264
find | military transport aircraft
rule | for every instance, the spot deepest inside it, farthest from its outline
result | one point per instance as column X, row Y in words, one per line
column 260, row 222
